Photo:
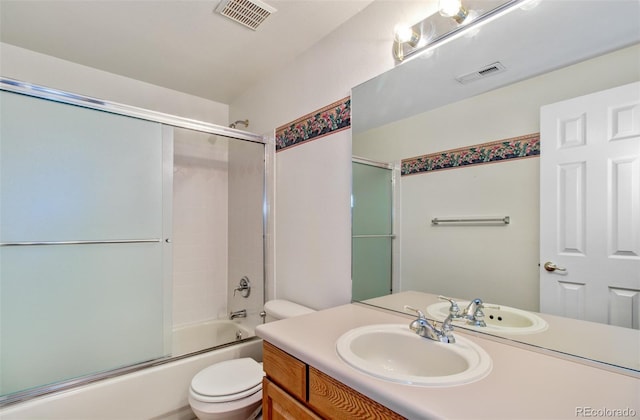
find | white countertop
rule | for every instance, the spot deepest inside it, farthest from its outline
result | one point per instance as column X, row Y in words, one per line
column 615, row 346
column 522, row 384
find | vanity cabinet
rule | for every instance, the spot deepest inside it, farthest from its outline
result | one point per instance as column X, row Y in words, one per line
column 294, row 389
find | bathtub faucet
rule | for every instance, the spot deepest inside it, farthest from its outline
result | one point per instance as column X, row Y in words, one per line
column 238, row 314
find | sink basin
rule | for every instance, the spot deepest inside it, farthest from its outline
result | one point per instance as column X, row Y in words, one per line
column 499, row 319
column 394, row 353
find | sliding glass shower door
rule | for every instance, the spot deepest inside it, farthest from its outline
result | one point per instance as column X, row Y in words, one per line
column 84, row 214
column 372, row 230
column 128, row 238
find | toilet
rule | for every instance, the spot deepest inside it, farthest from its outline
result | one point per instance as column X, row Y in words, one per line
column 232, row 389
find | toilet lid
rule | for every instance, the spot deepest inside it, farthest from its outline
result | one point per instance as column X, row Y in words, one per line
column 229, row 378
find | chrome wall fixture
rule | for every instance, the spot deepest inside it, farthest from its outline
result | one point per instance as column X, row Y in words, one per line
column 472, row 220
column 243, row 122
column 452, row 20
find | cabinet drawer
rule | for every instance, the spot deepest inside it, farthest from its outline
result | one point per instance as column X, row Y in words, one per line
column 277, row 404
column 285, row 370
column 337, row 401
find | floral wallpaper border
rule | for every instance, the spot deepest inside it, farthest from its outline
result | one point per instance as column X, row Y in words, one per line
column 328, row 120
column 513, row 148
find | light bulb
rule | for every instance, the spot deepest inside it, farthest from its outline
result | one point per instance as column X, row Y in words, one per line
column 402, row 32
column 449, row 8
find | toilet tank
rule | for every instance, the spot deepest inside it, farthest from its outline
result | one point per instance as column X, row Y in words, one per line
column 282, row 309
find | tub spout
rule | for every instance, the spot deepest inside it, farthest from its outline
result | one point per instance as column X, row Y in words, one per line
column 238, row 314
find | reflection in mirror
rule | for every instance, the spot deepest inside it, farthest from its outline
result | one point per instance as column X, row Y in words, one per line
column 418, row 111
column 373, row 239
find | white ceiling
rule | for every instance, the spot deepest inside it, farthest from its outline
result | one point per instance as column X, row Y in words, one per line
column 178, row 44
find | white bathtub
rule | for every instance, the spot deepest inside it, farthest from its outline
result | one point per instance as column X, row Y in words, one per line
column 158, row 392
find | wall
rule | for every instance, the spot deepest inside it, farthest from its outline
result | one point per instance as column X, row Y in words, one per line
column 200, row 219
column 245, row 227
column 312, row 205
column 496, row 263
column 29, row 66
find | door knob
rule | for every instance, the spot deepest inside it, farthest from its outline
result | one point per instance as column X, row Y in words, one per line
column 549, row 266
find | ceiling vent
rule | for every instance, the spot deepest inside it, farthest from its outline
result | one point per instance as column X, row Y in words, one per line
column 489, row 70
column 248, row 13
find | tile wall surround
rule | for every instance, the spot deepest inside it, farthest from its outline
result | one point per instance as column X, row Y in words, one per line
column 491, row 152
column 200, row 237
column 324, row 121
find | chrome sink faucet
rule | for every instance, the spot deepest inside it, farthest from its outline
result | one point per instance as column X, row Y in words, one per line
column 473, row 313
column 424, row 328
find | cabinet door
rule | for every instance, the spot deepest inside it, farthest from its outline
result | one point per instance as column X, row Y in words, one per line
column 336, row 400
column 277, row 404
column 289, row 372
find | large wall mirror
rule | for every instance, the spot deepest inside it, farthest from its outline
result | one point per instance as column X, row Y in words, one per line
column 417, row 113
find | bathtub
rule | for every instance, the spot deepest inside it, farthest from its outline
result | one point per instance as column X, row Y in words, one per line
column 158, row 392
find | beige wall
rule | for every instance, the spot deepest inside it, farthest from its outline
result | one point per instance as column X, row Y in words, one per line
column 498, row 264
column 313, row 180
column 29, row 66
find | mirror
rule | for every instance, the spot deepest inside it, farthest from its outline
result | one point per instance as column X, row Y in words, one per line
column 419, row 108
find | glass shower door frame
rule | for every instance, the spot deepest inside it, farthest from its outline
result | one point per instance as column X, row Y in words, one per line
column 395, row 168
column 168, row 122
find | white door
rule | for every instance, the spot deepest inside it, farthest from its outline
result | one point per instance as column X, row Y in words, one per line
column 590, row 207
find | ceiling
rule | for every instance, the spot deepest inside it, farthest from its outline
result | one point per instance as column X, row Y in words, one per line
column 179, row 44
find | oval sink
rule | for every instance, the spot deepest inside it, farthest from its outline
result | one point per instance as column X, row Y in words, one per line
column 395, row 353
column 499, row 319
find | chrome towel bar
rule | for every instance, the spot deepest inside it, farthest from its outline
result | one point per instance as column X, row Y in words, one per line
column 114, row 241
column 506, row 220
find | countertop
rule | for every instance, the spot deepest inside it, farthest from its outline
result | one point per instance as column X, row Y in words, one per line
column 523, row 384
column 611, row 345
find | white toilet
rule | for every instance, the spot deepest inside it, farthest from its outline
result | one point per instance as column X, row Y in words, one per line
column 232, row 389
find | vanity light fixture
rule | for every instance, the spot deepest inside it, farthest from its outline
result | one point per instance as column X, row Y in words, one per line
column 453, row 9
column 430, row 33
column 404, row 34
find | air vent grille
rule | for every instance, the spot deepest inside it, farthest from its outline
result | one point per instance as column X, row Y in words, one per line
column 494, row 68
column 248, row 13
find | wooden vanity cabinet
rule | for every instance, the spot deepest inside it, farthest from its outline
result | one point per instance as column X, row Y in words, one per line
column 294, row 390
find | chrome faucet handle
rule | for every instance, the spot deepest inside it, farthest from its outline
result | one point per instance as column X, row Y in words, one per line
column 454, row 309
column 244, row 287
column 474, row 314
column 420, row 326
column 472, row 306
column 447, row 330
column 424, row 328
column 417, row 311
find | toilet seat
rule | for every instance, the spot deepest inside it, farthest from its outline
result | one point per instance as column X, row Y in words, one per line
column 227, row 381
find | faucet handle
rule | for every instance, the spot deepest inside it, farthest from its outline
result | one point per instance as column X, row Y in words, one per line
column 418, row 311
column 454, row 309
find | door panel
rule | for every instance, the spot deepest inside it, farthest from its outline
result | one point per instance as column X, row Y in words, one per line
column 372, row 231
column 590, row 207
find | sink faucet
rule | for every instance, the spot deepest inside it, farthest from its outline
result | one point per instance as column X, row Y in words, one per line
column 424, row 328
column 238, row 314
column 473, row 313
